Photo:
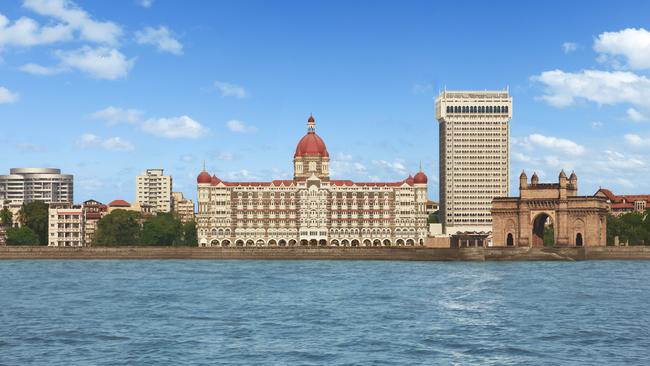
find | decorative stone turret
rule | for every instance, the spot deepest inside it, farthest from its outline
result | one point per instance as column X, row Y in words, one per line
column 523, row 180
column 535, row 179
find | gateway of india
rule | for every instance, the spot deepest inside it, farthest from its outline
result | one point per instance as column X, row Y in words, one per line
column 311, row 209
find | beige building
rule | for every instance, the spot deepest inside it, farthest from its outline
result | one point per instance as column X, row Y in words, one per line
column 542, row 208
column 93, row 212
column 24, row 185
column 66, row 226
column 311, row 209
column 183, row 207
column 155, row 189
column 474, row 157
column 622, row 204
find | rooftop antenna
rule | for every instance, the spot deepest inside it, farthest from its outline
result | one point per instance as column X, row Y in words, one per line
column 203, row 164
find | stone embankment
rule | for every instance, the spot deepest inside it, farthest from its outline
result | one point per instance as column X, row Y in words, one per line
column 340, row 253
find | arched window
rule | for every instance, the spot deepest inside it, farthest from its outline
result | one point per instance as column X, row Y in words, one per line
column 510, row 240
column 579, row 240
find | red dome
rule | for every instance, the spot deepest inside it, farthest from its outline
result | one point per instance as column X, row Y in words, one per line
column 311, row 144
column 204, row 177
column 214, row 180
column 420, row 178
column 409, row 180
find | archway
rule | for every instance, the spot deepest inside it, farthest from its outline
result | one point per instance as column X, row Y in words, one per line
column 366, row 243
column 335, row 243
column 225, row 243
column 250, row 243
column 272, row 243
column 292, row 242
column 355, row 243
column 543, row 231
column 579, row 239
column 510, row 241
column 376, row 243
column 313, row 243
column 410, row 242
column 259, row 243
column 214, row 243
column 304, row 242
column 282, row 243
column 386, row 242
column 239, row 243
column 400, row 242
column 345, row 242
column 322, row 242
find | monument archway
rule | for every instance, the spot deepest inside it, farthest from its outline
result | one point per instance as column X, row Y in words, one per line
column 523, row 221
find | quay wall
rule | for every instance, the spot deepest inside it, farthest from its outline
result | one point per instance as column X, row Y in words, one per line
column 338, row 253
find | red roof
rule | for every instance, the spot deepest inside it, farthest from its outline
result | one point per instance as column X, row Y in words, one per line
column 420, row 178
column 204, row 177
column 214, row 180
column 119, row 203
column 311, row 144
column 623, row 199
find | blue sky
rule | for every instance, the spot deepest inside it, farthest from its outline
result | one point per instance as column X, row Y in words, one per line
column 104, row 90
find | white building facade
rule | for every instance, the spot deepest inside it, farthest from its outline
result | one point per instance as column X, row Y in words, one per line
column 25, row 185
column 154, row 188
column 474, row 156
column 311, row 209
column 66, row 227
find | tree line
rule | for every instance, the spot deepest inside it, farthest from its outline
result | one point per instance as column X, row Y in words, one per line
column 119, row 228
column 632, row 228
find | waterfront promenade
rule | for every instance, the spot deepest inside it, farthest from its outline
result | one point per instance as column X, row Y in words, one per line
column 329, row 253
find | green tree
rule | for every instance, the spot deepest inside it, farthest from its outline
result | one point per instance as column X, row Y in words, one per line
column 434, row 218
column 190, row 238
column 549, row 235
column 162, row 229
column 118, row 228
column 34, row 215
column 22, row 236
column 6, row 217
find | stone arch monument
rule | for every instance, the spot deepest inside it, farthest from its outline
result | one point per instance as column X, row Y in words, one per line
column 577, row 220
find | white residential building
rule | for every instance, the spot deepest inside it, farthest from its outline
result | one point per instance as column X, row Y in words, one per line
column 155, row 189
column 66, row 226
column 183, row 207
column 474, row 156
column 24, row 185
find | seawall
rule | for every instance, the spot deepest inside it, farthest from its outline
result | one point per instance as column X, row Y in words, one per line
column 340, row 253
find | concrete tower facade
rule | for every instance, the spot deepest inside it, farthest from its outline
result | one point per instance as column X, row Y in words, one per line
column 474, row 156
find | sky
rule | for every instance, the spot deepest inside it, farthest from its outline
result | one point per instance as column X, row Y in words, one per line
column 106, row 89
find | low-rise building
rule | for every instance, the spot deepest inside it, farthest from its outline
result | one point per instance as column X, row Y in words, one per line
column 93, row 211
column 431, row 207
column 183, row 207
column 622, row 204
column 66, row 226
column 146, row 210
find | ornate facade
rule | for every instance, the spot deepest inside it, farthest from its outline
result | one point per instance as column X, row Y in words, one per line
column 311, row 209
column 577, row 220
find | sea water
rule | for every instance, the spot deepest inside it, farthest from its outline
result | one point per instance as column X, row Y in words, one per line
column 171, row 312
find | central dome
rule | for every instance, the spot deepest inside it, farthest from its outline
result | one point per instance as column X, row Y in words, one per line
column 311, row 143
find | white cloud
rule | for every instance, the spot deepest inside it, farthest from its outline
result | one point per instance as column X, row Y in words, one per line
column 397, row 166
column 113, row 115
column 7, row 96
column 241, row 174
column 636, row 140
column 239, row 126
column 88, row 140
column 100, row 62
column 601, row 87
column 224, row 156
column 161, row 38
column 517, row 156
column 26, row 32
column 230, row 90
column 554, row 143
column 77, row 19
column 596, row 125
column 635, row 116
column 343, row 157
column 187, row 158
column 569, row 47
column 422, row 88
column 174, row 128
column 36, row 69
column 631, row 44
column 145, row 3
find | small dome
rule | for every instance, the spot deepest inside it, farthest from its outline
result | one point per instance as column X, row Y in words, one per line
column 214, row 180
column 204, row 177
column 311, row 119
column 420, row 178
column 409, row 180
column 562, row 174
column 535, row 178
column 573, row 176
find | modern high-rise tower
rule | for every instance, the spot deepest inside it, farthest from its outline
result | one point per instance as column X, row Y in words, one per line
column 154, row 188
column 474, row 156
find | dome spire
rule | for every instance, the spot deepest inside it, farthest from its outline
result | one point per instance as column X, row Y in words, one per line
column 311, row 124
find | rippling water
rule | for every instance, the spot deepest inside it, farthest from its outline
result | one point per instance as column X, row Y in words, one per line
column 323, row 313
